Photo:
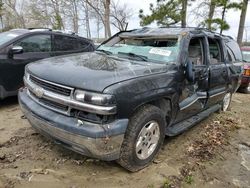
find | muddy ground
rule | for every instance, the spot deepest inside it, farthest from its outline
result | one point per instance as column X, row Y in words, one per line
column 215, row 153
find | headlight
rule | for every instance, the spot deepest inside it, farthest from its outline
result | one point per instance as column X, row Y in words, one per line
column 94, row 98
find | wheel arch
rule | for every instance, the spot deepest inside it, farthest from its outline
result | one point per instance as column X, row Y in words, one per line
column 164, row 104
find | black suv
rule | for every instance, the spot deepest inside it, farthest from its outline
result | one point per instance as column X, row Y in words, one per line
column 119, row 102
column 21, row 46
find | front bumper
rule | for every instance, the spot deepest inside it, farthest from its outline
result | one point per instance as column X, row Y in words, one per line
column 93, row 140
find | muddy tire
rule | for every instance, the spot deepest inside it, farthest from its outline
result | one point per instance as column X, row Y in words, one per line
column 226, row 103
column 143, row 138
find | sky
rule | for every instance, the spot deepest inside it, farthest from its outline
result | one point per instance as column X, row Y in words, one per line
column 232, row 17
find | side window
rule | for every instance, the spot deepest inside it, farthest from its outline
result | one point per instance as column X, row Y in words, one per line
column 234, row 48
column 65, row 43
column 83, row 44
column 35, row 43
column 215, row 51
column 195, row 51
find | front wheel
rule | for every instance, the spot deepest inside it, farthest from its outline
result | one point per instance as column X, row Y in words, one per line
column 143, row 138
column 226, row 102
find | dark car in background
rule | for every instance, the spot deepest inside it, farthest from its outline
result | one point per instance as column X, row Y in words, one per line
column 18, row 47
column 245, row 82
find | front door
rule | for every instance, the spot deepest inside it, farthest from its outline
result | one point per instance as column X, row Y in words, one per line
column 35, row 47
column 194, row 95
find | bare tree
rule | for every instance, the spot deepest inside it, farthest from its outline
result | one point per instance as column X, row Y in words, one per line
column 242, row 21
column 103, row 11
column 120, row 15
column 14, row 9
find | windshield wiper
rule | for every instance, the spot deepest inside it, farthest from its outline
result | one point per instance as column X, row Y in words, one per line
column 105, row 51
column 141, row 57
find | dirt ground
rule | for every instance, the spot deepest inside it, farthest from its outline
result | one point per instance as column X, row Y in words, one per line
column 215, row 153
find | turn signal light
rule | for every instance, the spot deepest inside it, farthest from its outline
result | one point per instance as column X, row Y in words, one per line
column 247, row 72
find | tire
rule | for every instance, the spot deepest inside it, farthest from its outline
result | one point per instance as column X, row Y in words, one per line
column 226, row 103
column 138, row 138
column 245, row 89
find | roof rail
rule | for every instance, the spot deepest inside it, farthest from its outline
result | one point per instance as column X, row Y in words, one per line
column 39, row 28
column 65, row 32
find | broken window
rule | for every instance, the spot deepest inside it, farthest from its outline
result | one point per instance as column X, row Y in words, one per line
column 195, row 51
column 156, row 50
column 215, row 51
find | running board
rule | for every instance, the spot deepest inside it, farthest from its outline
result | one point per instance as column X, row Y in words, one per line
column 182, row 126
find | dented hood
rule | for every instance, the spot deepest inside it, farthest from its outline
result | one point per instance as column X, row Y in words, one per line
column 91, row 71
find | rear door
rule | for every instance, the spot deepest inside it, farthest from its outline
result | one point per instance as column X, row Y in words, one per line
column 218, row 71
column 234, row 63
column 35, row 47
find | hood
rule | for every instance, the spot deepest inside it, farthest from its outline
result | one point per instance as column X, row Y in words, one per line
column 92, row 71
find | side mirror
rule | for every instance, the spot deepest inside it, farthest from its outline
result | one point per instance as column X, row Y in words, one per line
column 190, row 73
column 15, row 50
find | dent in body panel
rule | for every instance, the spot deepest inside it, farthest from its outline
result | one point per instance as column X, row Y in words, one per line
column 133, row 93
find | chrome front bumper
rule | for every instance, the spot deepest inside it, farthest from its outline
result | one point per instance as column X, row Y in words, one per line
column 94, row 140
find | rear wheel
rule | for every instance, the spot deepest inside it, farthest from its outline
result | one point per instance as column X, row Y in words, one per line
column 143, row 138
column 245, row 89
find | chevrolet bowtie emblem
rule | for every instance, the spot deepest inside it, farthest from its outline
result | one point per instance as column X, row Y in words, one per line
column 38, row 92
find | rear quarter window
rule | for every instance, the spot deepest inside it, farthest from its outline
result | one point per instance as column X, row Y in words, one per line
column 65, row 43
column 234, row 48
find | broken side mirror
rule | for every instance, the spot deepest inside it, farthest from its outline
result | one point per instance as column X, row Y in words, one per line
column 15, row 50
column 190, row 72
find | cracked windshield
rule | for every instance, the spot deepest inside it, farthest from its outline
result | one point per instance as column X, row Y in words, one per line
column 162, row 50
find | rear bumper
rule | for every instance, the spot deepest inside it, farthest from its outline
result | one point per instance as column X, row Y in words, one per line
column 93, row 140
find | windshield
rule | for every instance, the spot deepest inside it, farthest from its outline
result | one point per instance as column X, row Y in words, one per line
column 7, row 36
column 154, row 50
column 246, row 55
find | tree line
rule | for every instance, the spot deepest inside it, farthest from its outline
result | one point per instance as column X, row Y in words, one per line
column 213, row 15
column 104, row 14
column 65, row 15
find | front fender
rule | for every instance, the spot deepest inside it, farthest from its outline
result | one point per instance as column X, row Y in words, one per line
column 134, row 93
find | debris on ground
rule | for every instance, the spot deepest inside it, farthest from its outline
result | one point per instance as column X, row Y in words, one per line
column 213, row 137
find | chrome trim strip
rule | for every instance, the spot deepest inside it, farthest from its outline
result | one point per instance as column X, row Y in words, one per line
column 46, row 106
column 216, row 94
column 68, row 101
column 184, row 107
column 55, row 84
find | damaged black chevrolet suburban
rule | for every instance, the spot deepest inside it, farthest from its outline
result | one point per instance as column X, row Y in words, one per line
column 119, row 102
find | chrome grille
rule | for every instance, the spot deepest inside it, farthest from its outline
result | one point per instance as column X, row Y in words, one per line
column 50, row 103
column 60, row 98
column 51, row 87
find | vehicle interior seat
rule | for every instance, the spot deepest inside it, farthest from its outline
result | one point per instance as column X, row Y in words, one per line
column 195, row 54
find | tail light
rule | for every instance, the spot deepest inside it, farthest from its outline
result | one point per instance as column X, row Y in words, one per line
column 247, row 72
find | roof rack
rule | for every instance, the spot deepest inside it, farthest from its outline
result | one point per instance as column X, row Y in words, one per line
column 66, row 32
column 49, row 29
column 201, row 28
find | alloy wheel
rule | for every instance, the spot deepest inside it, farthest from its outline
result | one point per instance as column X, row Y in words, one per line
column 147, row 140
